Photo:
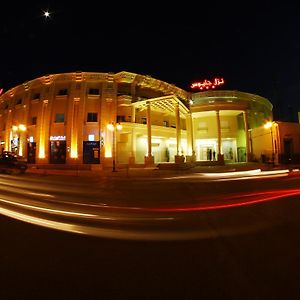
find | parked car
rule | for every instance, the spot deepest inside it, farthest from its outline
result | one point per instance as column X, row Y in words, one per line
column 11, row 163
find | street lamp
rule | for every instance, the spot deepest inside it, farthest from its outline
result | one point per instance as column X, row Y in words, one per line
column 113, row 128
column 266, row 126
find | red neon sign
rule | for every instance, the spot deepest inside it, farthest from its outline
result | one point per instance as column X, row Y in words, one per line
column 1, row 91
column 206, row 84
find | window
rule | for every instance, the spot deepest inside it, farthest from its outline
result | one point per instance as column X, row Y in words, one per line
column 121, row 119
column 36, row 96
column 144, row 120
column 92, row 117
column 93, row 91
column 59, row 118
column 33, row 120
column 202, row 125
column 18, row 101
column 91, row 137
column 63, row 92
column 224, row 124
column 166, row 123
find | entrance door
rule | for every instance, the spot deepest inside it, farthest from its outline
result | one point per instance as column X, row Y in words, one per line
column 58, row 152
column 31, row 152
column 229, row 150
column 91, row 152
column 288, row 150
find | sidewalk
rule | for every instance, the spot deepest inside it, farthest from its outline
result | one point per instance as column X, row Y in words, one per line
column 156, row 172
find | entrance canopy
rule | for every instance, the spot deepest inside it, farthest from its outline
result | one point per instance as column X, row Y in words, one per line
column 165, row 104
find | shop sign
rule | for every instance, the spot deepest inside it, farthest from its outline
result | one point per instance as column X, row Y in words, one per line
column 57, row 138
column 207, row 84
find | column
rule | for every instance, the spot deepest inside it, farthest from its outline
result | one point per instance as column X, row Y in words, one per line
column 131, row 160
column 178, row 130
column 248, row 152
column 132, row 114
column 8, row 131
column 191, row 157
column 74, row 129
column 42, row 138
column 149, row 159
column 178, row 158
column 220, row 155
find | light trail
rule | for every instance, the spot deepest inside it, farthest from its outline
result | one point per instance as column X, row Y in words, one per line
column 48, row 210
column 128, row 218
column 255, row 198
column 236, row 175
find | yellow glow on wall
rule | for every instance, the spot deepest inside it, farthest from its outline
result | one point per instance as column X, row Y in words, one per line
column 74, row 150
column 108, row 151
column 42, row 145
column 22, row 127
column 74, row 153
column 42, row 151
column 21, row 148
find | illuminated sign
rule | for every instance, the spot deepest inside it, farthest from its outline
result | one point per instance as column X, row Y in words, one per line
column 207, row 84
column 1, row 91
column 57, row 138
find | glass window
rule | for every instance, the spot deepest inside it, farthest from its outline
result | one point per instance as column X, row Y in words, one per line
column 121, row 119
column 36, row 96
column 19, row 101
column 92, row 117
column 63, row 92
column 59, row 118
column 93, row 91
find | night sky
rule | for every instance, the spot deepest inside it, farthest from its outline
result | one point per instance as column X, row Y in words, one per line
column 253, row 45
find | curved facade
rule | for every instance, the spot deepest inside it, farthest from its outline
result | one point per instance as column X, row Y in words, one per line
column 222, row 121
column 72, row 118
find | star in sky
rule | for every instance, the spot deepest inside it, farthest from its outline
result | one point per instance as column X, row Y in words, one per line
column 46, row 14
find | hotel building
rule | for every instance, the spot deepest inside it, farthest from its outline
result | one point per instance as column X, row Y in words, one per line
column 100, row 119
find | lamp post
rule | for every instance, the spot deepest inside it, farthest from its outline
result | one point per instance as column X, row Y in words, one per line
column 266, row 126
column 113, row 128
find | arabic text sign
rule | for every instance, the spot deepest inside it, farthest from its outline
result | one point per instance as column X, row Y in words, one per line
column 207, row 84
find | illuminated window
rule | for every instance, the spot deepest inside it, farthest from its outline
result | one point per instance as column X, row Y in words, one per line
column 224, row 124
column 92, row 117
column 59, row 118
column 91, row 137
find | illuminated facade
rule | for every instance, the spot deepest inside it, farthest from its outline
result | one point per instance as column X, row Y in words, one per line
column 71, row 118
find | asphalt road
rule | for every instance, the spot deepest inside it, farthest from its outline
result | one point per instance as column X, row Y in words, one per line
column 247, row 251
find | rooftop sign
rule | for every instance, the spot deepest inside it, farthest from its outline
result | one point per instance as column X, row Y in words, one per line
column 207, row 84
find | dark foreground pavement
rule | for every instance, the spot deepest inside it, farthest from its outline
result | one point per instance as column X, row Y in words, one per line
column 39, row 263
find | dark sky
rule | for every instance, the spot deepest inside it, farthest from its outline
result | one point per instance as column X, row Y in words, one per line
column 254, row 45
